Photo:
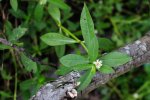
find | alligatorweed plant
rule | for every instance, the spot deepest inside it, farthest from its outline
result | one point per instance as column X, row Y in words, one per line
column 90, row 63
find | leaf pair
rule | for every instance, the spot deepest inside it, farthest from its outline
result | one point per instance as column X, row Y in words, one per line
column 113, row 59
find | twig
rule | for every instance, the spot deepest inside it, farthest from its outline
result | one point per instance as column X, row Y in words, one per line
column 5, row 42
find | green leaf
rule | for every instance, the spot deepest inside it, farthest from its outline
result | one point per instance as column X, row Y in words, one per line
column 86, row 78
column 93, row 49
column 5, row 94
column 8, row 27
column 60, row 50
column 106, row 69
column 19, row 14
column 14, row 4
column 90, row 38
column 38, row 13
column 105, row 44
column 3, row 47
column 39, row 25
column 54, row 39
column 5, row 75
column 87, row 24
column 63, row 70
column 81, row 67
column 17, row 34
column 25, row 85
column 73, row 59
column 54, row 12
column 115, row 59
column 60, row 4
column 28, row 63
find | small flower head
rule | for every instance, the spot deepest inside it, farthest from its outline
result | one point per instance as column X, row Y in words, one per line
column 98, row 63
column 95, row 31
column 136, row 96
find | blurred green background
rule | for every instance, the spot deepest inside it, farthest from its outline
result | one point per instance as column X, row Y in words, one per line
column 117, row 22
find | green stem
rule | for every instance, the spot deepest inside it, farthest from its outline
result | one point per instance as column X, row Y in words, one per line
column 115, row 89
column 136, row 19
column 144, row 94
column 145, row 85
column 115, row 27
column 74, row 37
column 69, row 33
column 15, row 90
column 16, row 75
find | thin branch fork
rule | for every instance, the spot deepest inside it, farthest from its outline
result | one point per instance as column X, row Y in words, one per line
column 20, row 49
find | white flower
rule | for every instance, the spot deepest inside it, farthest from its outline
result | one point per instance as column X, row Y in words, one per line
column 136, row 96
column 42, row 2
column 100, row 2
column 98, row 63
column 95, row 31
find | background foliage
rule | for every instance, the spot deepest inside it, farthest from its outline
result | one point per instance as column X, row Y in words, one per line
column 23, row 22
